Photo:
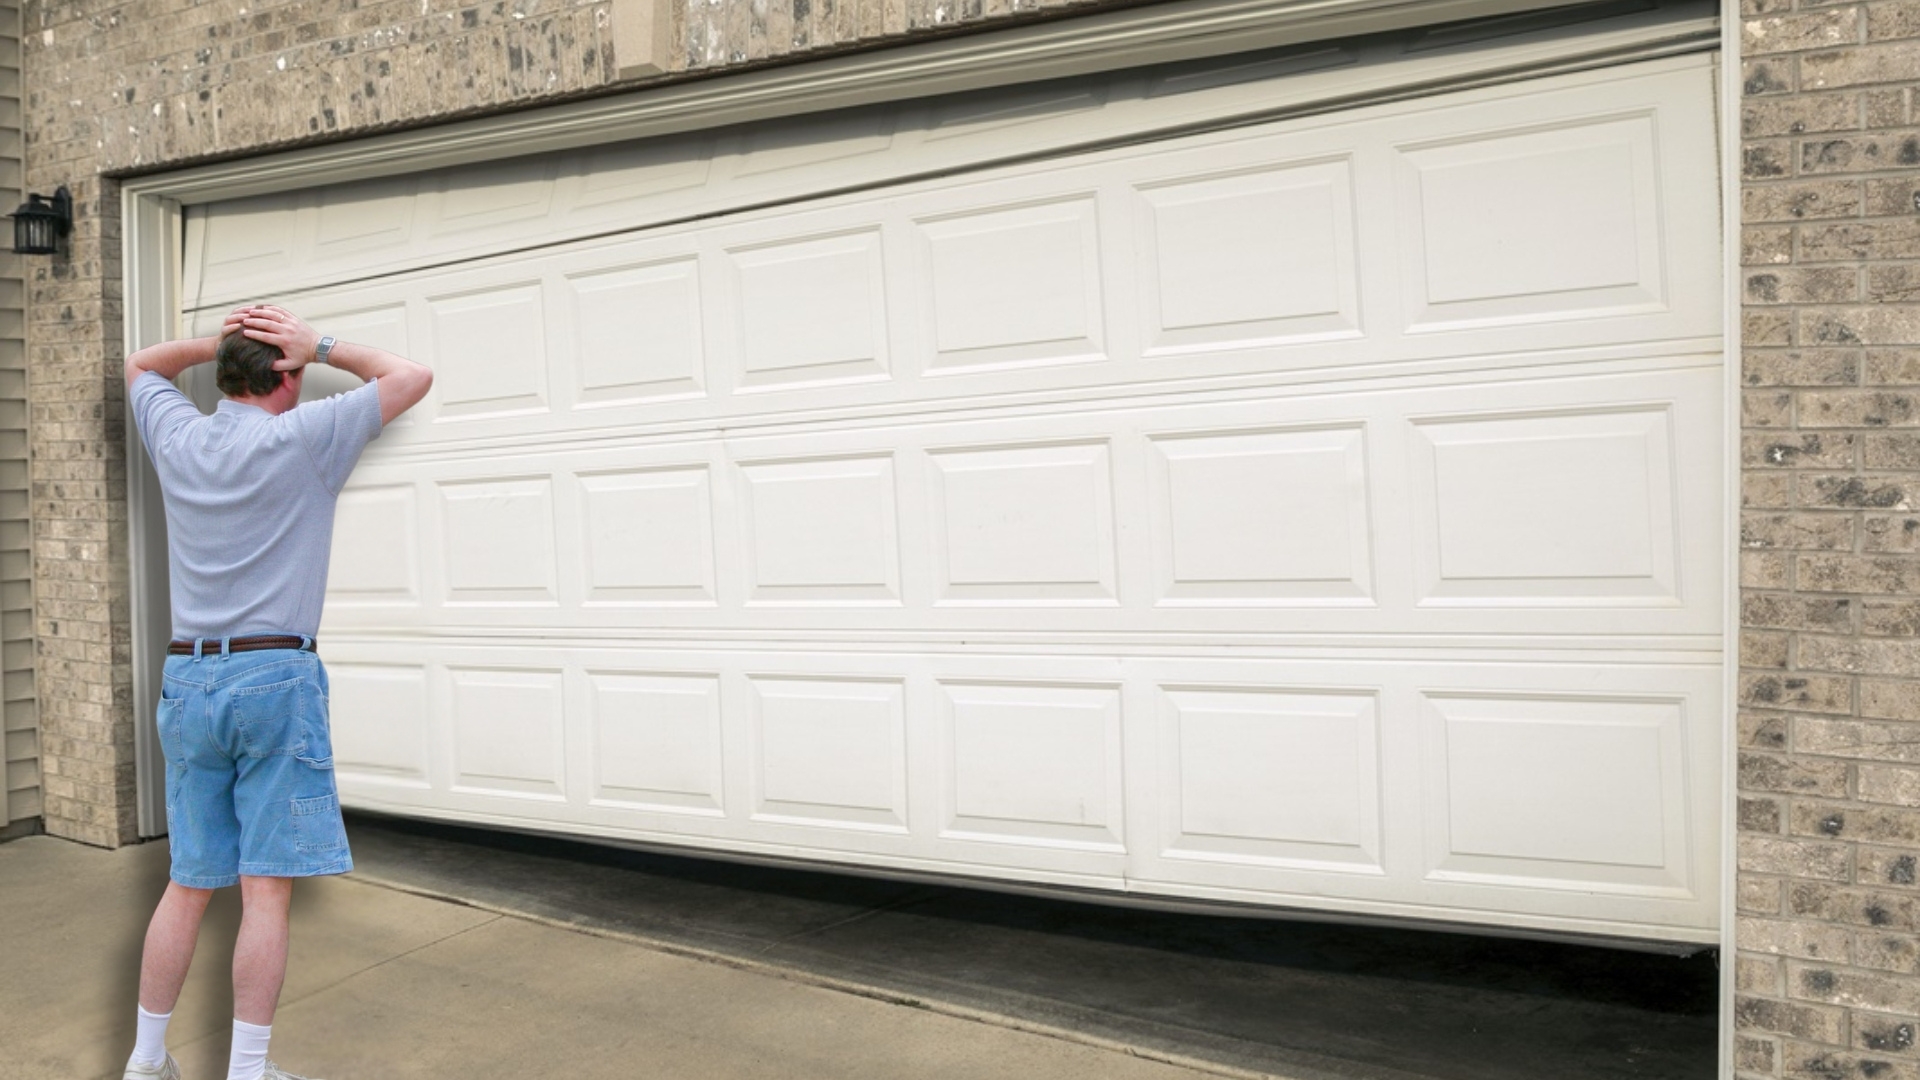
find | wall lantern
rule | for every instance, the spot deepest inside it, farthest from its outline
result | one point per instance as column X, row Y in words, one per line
column 40, row 223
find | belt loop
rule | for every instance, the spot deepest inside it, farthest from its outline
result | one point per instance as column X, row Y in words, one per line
column 226, row 647
column 198, row 643
column 306, row 643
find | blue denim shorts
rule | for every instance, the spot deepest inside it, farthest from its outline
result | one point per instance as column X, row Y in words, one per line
column 249, row 767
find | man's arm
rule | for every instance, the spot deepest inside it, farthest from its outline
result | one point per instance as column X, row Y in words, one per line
column 402, row 382
column 169, row 358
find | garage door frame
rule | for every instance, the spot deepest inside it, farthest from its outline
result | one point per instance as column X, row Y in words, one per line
column 152, row 208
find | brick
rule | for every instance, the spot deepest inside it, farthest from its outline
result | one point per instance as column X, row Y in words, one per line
column 1760, row 815
column 1890, row 619
column 1762, row 975
column 1892, row 21
column 1872, row 152
column 1766, row 328
column 1806, row 1061
column 1887, row 108
column 1893, row 284
column 1858, row 408
column 1806, row 30
column 1760, row 491
column 1895, row 450
column 1757, row 1055
column 1872, row 824
column 1879, row 574
column 1763, row 731
column 1878, row 325
column 1897, row 953
column 1887, row 699
column 1894, row 367
column 1859, row 656
column 1871, row 908
column 1754, row 895
column 1851, row 492
column 1891, row 196
column 1791, row 612
column 1765, row 569
column 1784, row 937
column 1766, row 409
column 1812, row 285
column 1864, row 990
column 1893, row 62
column 1843, row 241
column 1810, row 1022
column 1886, row 866
column 1799, row 859
column 1812, row 200
column 1802, row 693
column 1801, row 367
column 1792, row 776
column 1863, row 740
column 1772, row 245
column 1799, row 114
column 1763, row 649
column 1884, row 1034
column 1897, row 533
column 1771, row 76
column 1798, row 531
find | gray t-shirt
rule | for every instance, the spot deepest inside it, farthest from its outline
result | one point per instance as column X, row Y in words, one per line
column 249, row 503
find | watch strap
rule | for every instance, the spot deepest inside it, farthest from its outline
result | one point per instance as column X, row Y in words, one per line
column 324, row 349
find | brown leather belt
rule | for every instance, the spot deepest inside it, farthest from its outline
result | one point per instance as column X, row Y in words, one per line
column 253, row 643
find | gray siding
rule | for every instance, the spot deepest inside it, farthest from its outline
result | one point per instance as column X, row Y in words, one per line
column 19, row 723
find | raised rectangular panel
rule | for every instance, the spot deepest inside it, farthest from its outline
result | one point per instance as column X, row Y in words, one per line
column 375, row 548
column 646, row 169
column 378, row 714
column 1262, row 517
column 243, row 240
column 1033, row 764
column 649, row 536
column 822, row 530
column 656, row 741
column 507, row 733
column 1545, row 509
column 811, row 310
column 1284, row 778
column 490, row 353
column 499, row 541
column 1251, row 257
column 360, row 218
column 777, row 146
column 636, row 333
column 1560, row 222
column 1579, row 793
column 1014, row 285
column 503, row 194
column 830, row 752
column 1024, row 524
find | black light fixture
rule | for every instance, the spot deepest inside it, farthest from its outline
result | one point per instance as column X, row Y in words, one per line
column 40, row 223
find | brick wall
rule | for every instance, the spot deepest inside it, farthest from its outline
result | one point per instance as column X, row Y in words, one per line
column 1829, row 727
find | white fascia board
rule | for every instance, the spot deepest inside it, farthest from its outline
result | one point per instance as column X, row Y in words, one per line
column 1156, row 34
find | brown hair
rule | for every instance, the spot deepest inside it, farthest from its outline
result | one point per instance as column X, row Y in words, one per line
column 243, row 367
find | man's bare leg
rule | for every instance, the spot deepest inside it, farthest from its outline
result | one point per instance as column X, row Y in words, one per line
column 260, row 952
column 259, row 967
column 171, row 936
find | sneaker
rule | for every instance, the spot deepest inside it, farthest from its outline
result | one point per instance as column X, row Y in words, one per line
column 166, row 1070
column 275, row 1072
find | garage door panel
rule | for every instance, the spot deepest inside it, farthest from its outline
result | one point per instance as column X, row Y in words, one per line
column 1559, row 792
column 1405, row 511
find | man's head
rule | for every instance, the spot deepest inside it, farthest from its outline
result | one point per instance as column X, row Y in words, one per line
column 243, row 367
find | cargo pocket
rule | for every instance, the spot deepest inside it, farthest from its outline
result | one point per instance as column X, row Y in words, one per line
column 317, row 828
column 271, row 718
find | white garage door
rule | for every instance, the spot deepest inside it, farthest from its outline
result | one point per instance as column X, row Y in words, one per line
column 1321, row 512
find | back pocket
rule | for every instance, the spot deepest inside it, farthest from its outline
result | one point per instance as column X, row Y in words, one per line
column 271, row 718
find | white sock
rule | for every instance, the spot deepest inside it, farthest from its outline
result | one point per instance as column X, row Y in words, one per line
column 249, row 1058
column 150, row 1039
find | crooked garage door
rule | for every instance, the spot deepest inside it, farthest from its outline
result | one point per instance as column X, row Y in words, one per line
column 1319, row 513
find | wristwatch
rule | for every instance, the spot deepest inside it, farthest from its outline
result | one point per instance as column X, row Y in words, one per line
column 326, row 346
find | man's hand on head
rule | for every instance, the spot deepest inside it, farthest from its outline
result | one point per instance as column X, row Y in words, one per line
column 278, row 326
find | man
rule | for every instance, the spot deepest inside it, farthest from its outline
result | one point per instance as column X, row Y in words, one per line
column 249, row 494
